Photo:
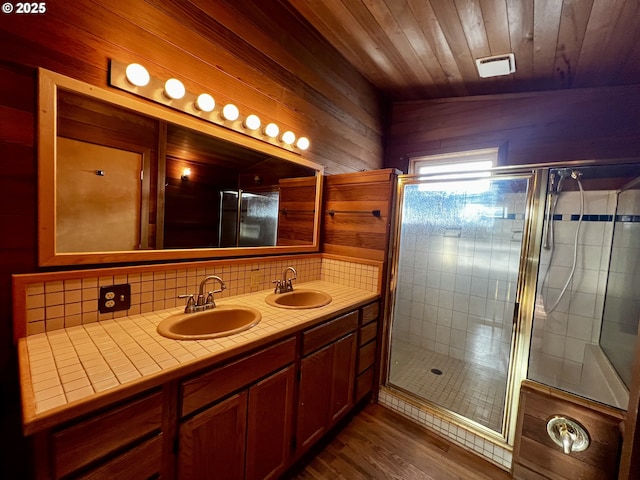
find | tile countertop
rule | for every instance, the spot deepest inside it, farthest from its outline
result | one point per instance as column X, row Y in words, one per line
column 67, row 372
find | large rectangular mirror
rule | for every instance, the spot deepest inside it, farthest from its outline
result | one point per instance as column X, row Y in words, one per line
column 124, row 180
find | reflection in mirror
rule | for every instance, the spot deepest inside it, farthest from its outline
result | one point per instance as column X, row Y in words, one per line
column 231, row 197
column 126, row 181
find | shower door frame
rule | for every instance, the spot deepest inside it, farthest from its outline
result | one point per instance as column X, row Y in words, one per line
column 524, row 305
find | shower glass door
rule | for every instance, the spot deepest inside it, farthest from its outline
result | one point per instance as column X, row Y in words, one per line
column 457, row 271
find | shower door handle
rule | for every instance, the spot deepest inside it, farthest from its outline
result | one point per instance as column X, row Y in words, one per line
column 516, row 313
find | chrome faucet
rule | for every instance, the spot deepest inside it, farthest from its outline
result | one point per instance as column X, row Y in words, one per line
column 285, row 285
column 202, row 302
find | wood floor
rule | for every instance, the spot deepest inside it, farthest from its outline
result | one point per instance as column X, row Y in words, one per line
column 380, row 444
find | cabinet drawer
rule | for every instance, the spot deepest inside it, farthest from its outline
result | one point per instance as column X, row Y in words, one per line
column 368, row 332
column 364, row 384
column 328, row 332
column 209, row 387
column 366, row 356
column 143, row 461
column 370, row 313
column 85, row 442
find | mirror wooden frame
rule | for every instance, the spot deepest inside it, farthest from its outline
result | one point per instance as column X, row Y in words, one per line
column 48, row 84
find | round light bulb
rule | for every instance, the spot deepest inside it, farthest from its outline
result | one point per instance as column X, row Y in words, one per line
column 302, row 143
column 174, row 89
column 137, row 75
column 252, row 122
column 288, row 137
column 272, row 130
column 205, row 102
column 230, row 112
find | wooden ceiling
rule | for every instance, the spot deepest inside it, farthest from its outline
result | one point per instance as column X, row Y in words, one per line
column 424, row 49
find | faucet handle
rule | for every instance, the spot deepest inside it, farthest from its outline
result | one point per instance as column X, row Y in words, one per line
column 190, row 307
column 211, row 303
column 278, row 288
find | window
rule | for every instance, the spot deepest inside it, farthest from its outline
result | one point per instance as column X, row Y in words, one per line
column 473, row 164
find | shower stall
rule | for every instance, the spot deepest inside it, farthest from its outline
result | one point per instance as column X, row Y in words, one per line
column 519, row 274
column 587, row 309
column 248, row 219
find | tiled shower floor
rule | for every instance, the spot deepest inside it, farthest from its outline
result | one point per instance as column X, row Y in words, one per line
column 473, row 391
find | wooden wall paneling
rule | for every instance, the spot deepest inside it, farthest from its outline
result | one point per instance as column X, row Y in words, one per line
column 353, row 230
column 536, row 127
column 304, row 53
column 631, row 67
column 84, row 118
column 630, row 453
column 296, row 210
column 326, row 115
column 252, row 71
column 535, row 451
column 278, row 68
column 17, row 247
column 192, row 206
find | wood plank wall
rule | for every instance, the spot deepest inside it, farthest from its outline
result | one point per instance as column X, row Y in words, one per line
column 262, row 56
column 297, row 208
column 18, row 221
column 535, row 454
column 353, row 230
column 535, row 127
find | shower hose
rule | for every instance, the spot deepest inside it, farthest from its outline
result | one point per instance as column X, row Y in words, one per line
column 575, row 249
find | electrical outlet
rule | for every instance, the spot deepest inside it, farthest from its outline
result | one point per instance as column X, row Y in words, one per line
column 256, row 278
column 114, row 298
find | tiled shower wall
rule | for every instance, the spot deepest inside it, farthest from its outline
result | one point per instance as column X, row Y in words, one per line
column 559, row 337
column 457, row 285
column 53, row 303
column 622, row 303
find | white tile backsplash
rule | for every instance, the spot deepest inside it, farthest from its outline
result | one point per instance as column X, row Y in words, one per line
column 56, row 304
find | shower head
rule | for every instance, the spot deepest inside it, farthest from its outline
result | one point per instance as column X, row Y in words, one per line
column 562, row 173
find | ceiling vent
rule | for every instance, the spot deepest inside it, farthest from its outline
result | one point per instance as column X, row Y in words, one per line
column 496, row 66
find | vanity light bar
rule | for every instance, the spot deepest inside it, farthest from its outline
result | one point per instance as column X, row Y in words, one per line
column 134, row 78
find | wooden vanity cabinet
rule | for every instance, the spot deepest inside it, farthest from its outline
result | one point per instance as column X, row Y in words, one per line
column 245, row 435
column 121, row 442
column 250, row 418
column 327, row 372
column 213, row 442
column 367, row 348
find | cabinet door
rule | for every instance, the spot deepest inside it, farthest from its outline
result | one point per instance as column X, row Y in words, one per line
column 212, row 444
column 342, row 376
column 314, row 396
column 269, row 425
